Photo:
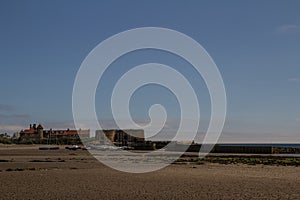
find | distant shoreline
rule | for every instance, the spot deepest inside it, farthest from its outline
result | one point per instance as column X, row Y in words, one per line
column 186, row 158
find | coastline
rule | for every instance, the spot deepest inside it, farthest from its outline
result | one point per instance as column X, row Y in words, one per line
column 65, row 174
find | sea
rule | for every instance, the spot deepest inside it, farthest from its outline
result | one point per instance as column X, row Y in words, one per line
column 263, row 144
column 278, row 145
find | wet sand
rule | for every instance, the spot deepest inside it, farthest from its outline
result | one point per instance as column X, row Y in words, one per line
column 29, row 173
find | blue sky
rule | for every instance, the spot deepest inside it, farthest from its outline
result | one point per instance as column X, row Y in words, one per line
column 255, row 44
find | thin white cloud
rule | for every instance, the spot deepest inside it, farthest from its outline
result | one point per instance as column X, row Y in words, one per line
column 287, row 28
column 14, row 117
column 11, row 128
column 5, row 107
column 294, row 79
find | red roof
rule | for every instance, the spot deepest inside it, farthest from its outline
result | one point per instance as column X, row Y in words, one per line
column 69, row 132
column 29, row 131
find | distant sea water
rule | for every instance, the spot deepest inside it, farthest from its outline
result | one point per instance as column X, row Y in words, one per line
column 283, row 145
column 278, row 145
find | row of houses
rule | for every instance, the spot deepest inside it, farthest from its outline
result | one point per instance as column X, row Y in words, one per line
column 118, row 137
column 37, row 132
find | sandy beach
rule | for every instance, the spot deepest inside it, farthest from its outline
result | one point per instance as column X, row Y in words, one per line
column 29, row 173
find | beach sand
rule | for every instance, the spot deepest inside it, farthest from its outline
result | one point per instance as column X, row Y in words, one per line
column 29, row 173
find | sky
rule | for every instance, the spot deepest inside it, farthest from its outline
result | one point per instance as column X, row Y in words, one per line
column 255, row 44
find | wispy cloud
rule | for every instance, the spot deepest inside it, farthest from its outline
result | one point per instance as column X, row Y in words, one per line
column 16, row 116
column 287, row 28
column 11, row 128
column 5, row 107
column 294, row 79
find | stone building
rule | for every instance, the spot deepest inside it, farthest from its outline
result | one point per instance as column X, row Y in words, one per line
column 121, row 137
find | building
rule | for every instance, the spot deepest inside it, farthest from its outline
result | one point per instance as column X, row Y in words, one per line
column 35, row 133
column 121, row 137
column 66, row 133
column 4, row 136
